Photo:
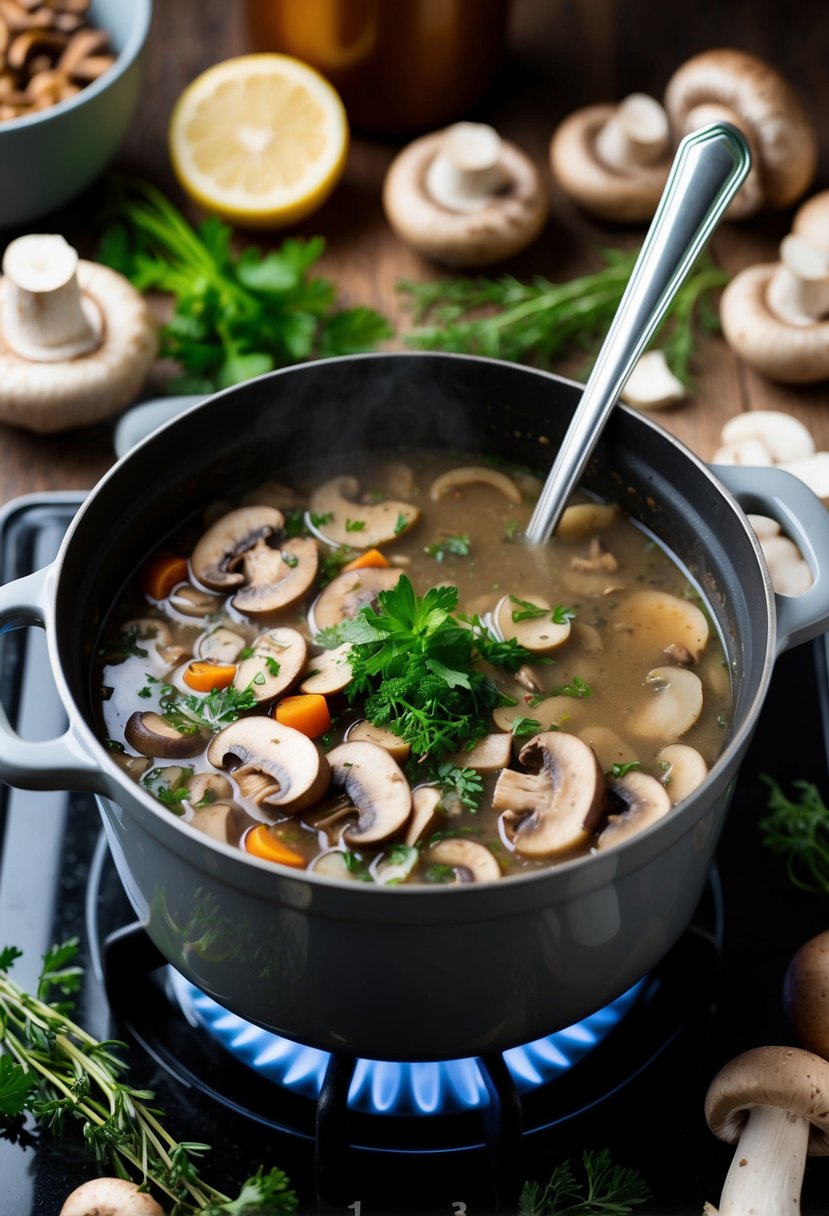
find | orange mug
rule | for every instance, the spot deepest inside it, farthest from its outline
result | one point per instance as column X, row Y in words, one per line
column 400, row 66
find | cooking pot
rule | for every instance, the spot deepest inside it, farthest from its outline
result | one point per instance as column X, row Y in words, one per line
column 415, row 972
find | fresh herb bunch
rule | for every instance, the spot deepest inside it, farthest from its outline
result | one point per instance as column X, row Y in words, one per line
column 413, row 662
column 221, row 706
column 607, row 1190
column 542, row 322
column 236, row 315
column 53, row 1069
column 798, row 831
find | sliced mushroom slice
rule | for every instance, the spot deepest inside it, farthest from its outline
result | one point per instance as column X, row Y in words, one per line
column 549, row 713
column 274, row 666
column 529, row 619
column 609, row 747
column 585, row 519
column 277, row 578
column 327, row 673
column 237, row 554
column 645, row 800
column 489, row 755
column 346, row 594
column 193, row 601
column 662, row 619
column 375, row 784
column 152, row 735
column 683, row 770
column 471, row 861
column 332, row 864
column 223, row 821
column 554, row 807
column 155, row 635
column 273, row 764
column 133, row 766
column 361, row 525
column 220, row 645
column 208, row 789
column 674, row 707
column 394, row 865
column 425, row 813
column 366, row 732
column 219, row 552
column 474, row 475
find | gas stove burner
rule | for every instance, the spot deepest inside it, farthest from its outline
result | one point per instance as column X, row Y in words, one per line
column 382, row 1087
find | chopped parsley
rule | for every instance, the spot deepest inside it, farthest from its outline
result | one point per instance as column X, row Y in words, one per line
column 355, row 525
column 319, row 521
column 466, row 784
column 219, row 708
column 622, row 770
column 523, row 727
column 458, row 545
column 440, row 873
column 576, row 688
column 400, row 524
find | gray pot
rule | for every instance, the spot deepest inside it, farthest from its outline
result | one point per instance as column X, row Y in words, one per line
column 413, row 973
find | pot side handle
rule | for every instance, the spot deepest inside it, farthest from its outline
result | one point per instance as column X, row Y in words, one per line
column 802, row 517
column 61, row 763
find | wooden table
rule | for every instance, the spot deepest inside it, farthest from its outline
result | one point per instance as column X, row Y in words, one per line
column 560, row 55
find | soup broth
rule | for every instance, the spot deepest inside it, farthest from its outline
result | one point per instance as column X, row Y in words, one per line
column 370, row 674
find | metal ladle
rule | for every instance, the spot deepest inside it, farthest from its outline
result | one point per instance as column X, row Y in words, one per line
column 709, row 167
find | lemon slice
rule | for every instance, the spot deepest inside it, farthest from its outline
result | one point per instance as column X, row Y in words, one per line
column 261, row 140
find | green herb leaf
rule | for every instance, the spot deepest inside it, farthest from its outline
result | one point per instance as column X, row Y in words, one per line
column 458, row 546
column 16, row 1084
column 522, row 727
column 576, row 688
column 607, row 1190
column 465, row 784
column 798, row 832
column 621, row 770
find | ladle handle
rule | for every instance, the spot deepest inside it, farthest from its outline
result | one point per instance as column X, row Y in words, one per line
column 709, row 168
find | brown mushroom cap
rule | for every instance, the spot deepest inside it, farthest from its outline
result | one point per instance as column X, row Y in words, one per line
column 764, row 106
column 784, row 1078
column 513, row 218
column 612, row 193
column 277, row 659
column 235, row 552
column 152, row 735
column 806, row 994
column 790, row 354
column 554, row 807
column 375, row 784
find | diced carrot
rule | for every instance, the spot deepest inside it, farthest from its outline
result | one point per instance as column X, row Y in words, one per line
column 262, row 843
column 308, row 713
column 204, row 676
column 162, row 573
column 371, row 557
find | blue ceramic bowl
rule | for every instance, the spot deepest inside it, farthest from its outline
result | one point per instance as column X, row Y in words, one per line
column 51, row 157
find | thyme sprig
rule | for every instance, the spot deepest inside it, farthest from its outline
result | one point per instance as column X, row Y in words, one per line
column 54, row 1069
column 607, row 1190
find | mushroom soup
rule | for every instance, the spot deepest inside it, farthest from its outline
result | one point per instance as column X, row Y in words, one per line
column 372, row 676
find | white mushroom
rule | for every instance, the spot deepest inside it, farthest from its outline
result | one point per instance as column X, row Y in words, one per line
column 272, row 764
column 675, row 705
column 425, row 813
column 609, row 747
column 644, row 801
column 811, row 221
column 773, row 1104
column 344, row 520
column 489, row 755
column 659, row 619
column 346, row 594
column 76, row 339
column 364, row 731
column 377, row 788
column 790, row 573
column 652, row 385
column 582, row 520
column 531, row 621
column 684, row 769
column 613, row 160
column 470, row 860
column 784, row 436
column 220, row 645
column 464, row 196
column 110, row 1197
column 328, row 672
column 222, row 821
column 732, row 85
column 457, row 480
column 554, row 807
column 273, row 667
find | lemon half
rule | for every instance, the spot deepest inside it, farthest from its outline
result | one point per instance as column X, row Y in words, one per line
column 261, row 140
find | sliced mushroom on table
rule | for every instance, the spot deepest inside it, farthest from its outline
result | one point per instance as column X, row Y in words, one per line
column 465, row 197
column 772, row 1103
column 613, row 159
column 377, row 788
column 273, row 765
column 339, row 516
column 554, row 806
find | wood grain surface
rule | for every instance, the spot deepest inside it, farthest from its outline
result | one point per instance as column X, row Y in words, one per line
column 560, row 54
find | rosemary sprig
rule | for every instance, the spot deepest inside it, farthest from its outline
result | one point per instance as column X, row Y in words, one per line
column 51, row 1067
column 542, row 322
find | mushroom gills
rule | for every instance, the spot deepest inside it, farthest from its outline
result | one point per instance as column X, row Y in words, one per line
column 378, row 790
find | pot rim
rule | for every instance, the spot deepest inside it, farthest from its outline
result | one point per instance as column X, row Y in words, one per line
column 626, row 857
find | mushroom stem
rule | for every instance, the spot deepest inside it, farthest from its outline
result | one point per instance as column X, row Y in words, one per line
column 466, row 173
column 766, row 1172
column 798, row 291
column 635, row 135
column 46, row 318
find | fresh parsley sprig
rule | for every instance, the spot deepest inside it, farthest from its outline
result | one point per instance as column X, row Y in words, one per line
column 607, row 1190
column 798, row 831
column 52, row 1068
column 235, row 315
column 542, row 322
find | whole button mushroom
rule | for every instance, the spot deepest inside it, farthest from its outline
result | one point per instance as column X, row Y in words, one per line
column 775, row 316
column 731, row 85
column 613, row 160
column 76, row 339
column 110, row 1197
column 465, row 197
column 806, row 994
column 773, row 1103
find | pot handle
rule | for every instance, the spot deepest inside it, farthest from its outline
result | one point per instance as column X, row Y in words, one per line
column 803, row 518
column 61, row 763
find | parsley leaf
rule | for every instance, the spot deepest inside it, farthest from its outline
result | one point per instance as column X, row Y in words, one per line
column 621, row 770
column 576, row 688
column 458, row 545
column 220, row 707
column 466, row 784
column 16, row 1084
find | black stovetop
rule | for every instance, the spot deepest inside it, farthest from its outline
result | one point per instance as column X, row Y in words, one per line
column 640, row 1095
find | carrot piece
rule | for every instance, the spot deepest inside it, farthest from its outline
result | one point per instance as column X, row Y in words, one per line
column 371, row 557
column 262, row 843
column 204, row 676
column 162, row 573
column 308, row 713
